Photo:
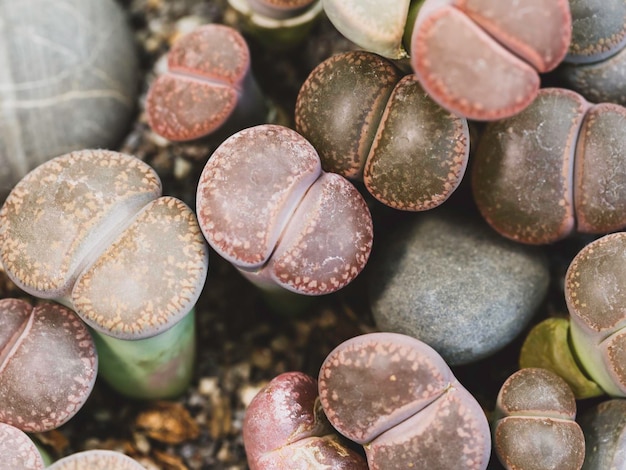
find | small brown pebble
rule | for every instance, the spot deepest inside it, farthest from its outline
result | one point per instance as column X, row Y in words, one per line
column 167, row 461
column 167, row 422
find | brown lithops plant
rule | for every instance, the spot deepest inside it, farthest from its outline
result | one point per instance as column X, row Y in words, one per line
column 90, row 230
column 48, row 365
column 285, row 428
column 552, row 169
column 370, row 123
column 17, row 450
column 595, row 298
column 534, row 427
column 265, row 205
column 208, row 85
column 397, row 397
column 97, row 459
column 481, row 58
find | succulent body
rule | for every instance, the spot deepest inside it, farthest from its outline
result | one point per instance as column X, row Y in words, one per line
column 277, row 24
column 17, row 450
column 535, row 427
column 370, row 123
column 595, row 65
column 208, row 85
column 265, row 205
column 40, row 391
column 129, row 261
column 480, row 59
column 553, row 169
column 285, row 428
column 398, row 398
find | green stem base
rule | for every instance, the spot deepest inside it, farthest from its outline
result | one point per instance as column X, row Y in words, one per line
column 153, row 368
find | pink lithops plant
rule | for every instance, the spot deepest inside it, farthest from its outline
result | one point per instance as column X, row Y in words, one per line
column 48, row 365
column 285, row 428
column 595, row 296
column 398, row 398
column 535, row 427
column 482, row 58
column 97, row 459
column 265, row 205
column 91, row 230
column 370, row 123
column 208, row 85
column 17, row 450
column 579, row 184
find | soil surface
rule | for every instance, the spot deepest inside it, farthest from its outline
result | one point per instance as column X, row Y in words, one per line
column 242, row 344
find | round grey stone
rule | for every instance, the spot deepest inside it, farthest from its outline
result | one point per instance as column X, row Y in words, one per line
column 451, row 281
column 68, row 81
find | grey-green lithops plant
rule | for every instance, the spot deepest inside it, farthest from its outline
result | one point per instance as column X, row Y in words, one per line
column 398, row 398
column 18, row 451
column 595, row 298
column 277, row 24
column 97, row 459
column 534, row 426
column 480, row 59
column 554, row 168
column 48, row 365
column 285, row 428
column 68, row 81
column 370, row 123
column 604, row 426
column 265, row 205
column 595, row 65
column 91, row 230
column 208, row 86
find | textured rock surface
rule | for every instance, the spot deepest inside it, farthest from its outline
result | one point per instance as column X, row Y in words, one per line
column 68, row 81
column 455, row 284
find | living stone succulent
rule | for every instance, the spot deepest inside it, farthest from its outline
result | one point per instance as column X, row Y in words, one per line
column 90, row 229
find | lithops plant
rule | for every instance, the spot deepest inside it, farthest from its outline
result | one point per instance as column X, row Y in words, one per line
column 604, row 426
column 398, row 398
column 97, row 459
column 370, row 123
column 91, row 230
column 277, row 24
column 595, row 65
column 285, row 428
column 480, row 59
column 70, row 86
column 265, row 205
column 48, row 365
column 18, row 451
column 555, row 168
column 208, row 85
column 534, row 426
column 595, row 299
column 373, row 25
